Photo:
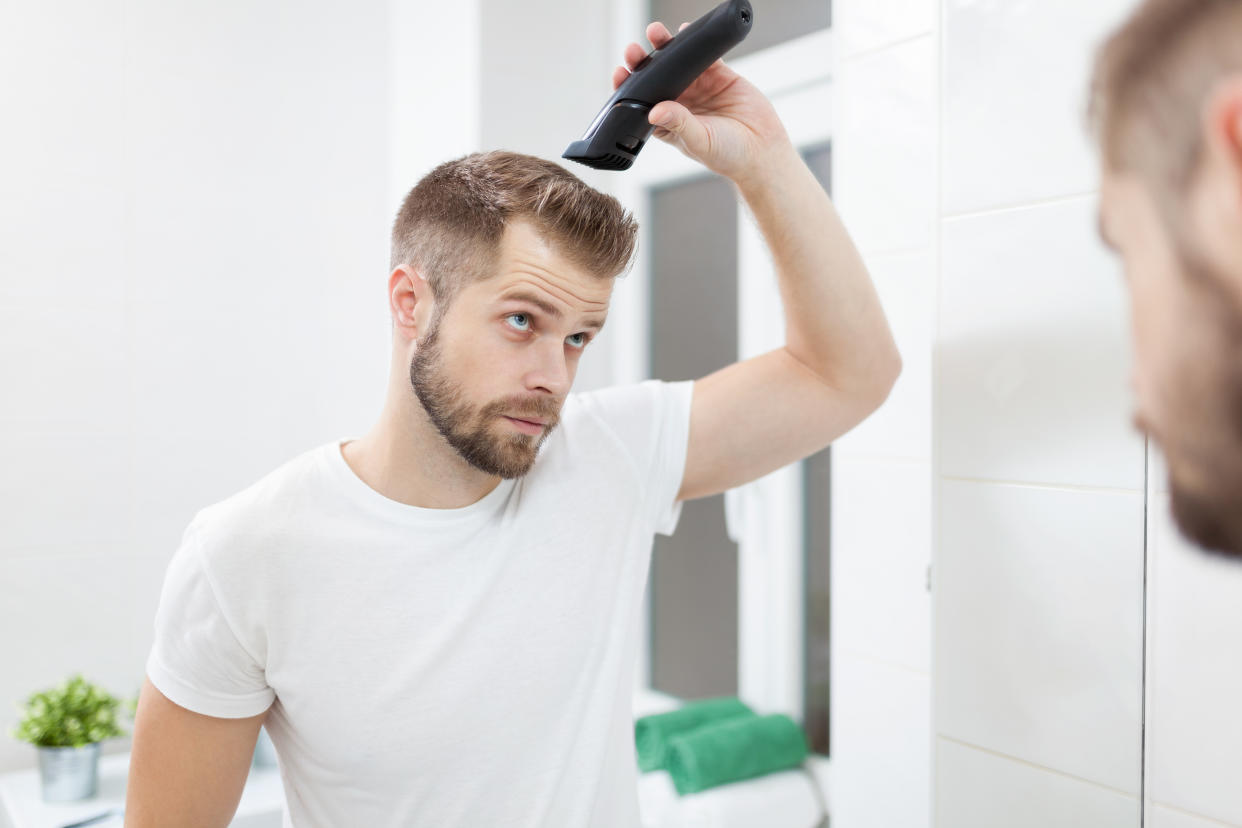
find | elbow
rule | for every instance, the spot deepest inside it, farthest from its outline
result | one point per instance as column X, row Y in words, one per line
column 884, row 378
column 894, row 370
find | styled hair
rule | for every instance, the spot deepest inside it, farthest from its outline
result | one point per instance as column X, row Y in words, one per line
column 450, row 224
column 1151, row 80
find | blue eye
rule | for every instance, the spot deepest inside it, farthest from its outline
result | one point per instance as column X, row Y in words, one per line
column 582, row 336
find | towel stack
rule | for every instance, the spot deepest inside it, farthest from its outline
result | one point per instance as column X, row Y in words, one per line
column 714, row 741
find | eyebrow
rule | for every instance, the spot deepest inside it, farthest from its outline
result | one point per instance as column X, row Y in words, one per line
column 546, row 306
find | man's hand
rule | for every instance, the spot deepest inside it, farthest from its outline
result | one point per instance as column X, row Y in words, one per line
column 721, row 120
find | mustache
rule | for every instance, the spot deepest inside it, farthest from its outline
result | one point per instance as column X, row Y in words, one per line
column 536, row 411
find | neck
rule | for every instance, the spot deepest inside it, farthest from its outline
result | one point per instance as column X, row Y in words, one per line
column 404, row 458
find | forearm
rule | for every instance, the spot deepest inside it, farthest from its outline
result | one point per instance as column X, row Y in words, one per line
column 834, row 323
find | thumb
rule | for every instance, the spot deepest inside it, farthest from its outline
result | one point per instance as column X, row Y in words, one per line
column 678, row 120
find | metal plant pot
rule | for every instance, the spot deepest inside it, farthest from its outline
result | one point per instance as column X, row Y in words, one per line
column 69, row 773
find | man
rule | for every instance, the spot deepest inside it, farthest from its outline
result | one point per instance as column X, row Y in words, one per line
column 1166, row 106
column 438, row 618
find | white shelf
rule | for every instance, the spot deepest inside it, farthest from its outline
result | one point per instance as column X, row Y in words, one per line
column 21, row 798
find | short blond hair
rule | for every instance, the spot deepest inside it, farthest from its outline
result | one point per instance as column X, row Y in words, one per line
column 451, row 223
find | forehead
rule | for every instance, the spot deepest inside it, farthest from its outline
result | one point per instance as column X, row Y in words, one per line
column 530, row 269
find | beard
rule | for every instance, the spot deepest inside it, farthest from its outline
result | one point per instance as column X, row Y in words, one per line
column 1204, row 445
column 467, row 428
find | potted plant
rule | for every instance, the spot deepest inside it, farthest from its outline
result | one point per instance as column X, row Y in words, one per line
column 67, row 725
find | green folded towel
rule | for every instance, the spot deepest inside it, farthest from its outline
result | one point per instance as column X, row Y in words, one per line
column 733, row 750
column 651, row 733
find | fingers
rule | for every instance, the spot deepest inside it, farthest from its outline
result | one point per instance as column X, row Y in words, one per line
column 658, row 34
column 633, row 54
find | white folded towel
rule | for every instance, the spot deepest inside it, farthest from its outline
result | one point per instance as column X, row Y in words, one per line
column 785, row 799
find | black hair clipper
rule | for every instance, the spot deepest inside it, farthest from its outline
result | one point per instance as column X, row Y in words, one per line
column 613, row 139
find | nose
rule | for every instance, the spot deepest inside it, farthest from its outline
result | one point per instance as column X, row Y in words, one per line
column 551, row 371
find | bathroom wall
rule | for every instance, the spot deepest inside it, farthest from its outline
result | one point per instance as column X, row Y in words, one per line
column 1058, row 579
column 193, row 263
column 1039, row 477
column 885, row 187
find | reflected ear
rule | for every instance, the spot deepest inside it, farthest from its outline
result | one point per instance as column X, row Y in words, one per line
column 1222, row 124
column 1218, row 211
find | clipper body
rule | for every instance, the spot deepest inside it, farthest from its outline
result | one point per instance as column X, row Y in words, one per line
column 614, row 138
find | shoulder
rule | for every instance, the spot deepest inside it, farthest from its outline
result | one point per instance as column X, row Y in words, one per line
column 251, row 519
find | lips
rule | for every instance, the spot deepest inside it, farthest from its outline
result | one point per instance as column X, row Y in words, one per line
column 525, row 420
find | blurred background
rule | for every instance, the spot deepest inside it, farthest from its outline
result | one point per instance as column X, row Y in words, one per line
column 974, row 603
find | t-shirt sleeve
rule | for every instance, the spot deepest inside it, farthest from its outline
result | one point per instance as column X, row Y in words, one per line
column 197, row 660
column 652, row 420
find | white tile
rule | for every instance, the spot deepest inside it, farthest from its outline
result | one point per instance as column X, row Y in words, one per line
column 1015, row 81
column 1169, row 818
column 881, row 548
column 862, row 25
column 901, row 427
column 1033, row 353
column 881, row 745
column 1157, row 468
column 981, row 790
column 1194, row 674
column 1038, row 626
column 884, row 147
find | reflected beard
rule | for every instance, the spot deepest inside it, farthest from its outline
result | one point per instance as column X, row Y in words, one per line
column 1207, row 431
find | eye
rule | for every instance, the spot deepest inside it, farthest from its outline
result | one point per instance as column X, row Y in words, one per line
column 584, row 338
column 512, row 315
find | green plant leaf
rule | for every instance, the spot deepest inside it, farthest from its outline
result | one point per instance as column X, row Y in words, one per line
column 73, row 714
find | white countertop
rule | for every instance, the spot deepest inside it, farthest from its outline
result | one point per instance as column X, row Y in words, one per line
column 21, row 798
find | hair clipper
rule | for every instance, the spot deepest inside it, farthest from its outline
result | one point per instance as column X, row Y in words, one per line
column 613, row 139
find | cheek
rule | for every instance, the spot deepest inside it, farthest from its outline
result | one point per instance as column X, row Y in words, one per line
column 1154, row 334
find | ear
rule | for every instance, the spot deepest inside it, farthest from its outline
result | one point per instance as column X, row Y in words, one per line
column 409, row 301
column 1217, row 201
column 1222, row 134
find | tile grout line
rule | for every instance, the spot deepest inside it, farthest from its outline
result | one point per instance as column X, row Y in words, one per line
column 938, row 53
column 1063, row 198
column 1201, row 817
column 876, row 49
column 1143, row 661
column 1057, row 487
column 863, row 655
column 1026, row 762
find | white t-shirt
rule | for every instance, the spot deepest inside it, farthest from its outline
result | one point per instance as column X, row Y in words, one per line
column 437, row 667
